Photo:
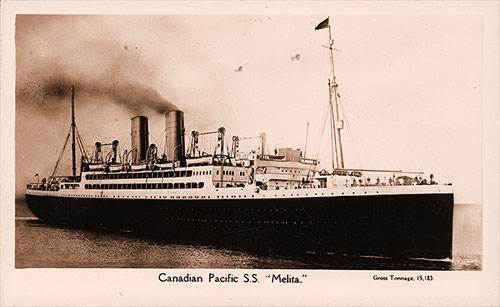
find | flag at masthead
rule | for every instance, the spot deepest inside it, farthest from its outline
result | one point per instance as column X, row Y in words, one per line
column 324, row 24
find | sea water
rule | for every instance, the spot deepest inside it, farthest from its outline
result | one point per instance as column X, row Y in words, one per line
column 38, row 245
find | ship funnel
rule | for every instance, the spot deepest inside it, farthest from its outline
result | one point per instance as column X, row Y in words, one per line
column 140, row 142
column 174, row 133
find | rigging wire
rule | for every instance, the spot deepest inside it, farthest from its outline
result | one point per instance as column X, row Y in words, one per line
column 81, row 144
column 322, row 130
column 61, row 154
column 161, row 137
column 355, row 136
column 350, row 133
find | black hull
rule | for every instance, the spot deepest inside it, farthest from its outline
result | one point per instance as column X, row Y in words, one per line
column 417, row 225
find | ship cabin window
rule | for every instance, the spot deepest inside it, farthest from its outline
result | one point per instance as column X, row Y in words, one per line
column 217, row 172
column 189, row 185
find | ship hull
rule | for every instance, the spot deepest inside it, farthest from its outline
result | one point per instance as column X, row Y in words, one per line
column 415, row 225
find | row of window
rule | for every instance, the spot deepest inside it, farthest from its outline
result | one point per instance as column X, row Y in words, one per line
column 70, row 186
column 290, row 171
column 134, row 175
column 195, row 173
column 230, row 173
column 144, row 186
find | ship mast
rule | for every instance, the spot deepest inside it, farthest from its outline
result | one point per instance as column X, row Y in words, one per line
column 336, row 123
column 73, row 151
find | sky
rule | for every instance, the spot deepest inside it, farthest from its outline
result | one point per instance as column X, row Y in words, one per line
column 410, row 86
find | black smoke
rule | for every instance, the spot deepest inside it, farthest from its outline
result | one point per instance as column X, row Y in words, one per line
column 48, row 93
column 51, row 58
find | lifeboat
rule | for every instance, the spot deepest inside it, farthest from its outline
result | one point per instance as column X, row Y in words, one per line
column 139, row 166
column 97, row 167
column 199, row 161
column 115, row 167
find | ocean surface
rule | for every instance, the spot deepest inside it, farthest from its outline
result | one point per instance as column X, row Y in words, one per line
column 38, row 245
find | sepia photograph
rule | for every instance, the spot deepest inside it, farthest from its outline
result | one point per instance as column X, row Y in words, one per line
column 207, row 144
column 248, row 141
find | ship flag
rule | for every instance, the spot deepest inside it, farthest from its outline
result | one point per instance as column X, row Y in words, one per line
column 324, row 24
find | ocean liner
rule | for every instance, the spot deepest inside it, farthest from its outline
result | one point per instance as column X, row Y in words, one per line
column 249, row 200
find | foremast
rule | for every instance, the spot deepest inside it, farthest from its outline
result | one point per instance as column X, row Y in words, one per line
column 73, row 126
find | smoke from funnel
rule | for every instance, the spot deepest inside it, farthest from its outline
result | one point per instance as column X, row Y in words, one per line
column 48, row 92
column 50, row 59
